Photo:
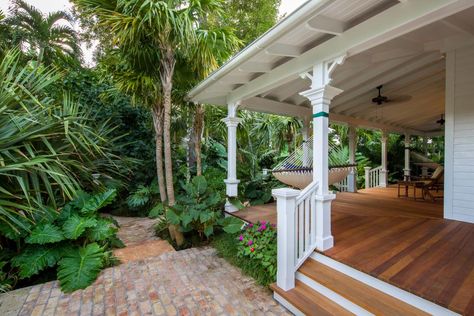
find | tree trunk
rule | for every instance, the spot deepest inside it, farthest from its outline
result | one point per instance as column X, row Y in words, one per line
column 157, row 114
column 197, row 127
column 166, row 74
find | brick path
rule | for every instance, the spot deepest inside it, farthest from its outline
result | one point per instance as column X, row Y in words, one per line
column 188, row 282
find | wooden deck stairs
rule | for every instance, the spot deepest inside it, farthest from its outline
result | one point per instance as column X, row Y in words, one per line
column 327, row 287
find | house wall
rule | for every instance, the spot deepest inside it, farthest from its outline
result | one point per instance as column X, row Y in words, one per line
column 459, row 132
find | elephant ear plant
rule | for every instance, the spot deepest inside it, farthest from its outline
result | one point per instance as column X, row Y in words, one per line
column 199, row 210
column 76, row 241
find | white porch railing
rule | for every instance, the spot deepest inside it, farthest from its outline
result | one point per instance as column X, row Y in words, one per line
column 343, row 186
column 296, row 227
column 372, row 177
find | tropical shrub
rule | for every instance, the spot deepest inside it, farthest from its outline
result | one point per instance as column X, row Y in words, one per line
column 49, row 149
column 199, row 210
column 75, row 241
column 259, row 242
column 145, row 200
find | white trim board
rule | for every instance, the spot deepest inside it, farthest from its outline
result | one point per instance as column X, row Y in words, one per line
column 287, row 304
column 384, row 287
column 333, row 296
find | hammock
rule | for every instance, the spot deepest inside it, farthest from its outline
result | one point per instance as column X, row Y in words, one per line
column 297, row 169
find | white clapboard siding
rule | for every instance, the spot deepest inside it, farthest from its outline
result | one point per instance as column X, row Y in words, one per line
column 459, row 177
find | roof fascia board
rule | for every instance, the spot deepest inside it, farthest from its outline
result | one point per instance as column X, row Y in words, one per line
column 393, row 22
column 303, row 13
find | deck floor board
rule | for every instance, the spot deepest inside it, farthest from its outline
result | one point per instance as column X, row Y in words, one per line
column 401, row 241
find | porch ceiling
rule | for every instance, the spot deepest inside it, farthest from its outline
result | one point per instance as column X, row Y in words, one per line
column 411, row 66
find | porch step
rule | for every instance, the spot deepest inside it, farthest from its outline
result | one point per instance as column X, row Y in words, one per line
column 322, row 288
column 362, row 295
column 309, row 302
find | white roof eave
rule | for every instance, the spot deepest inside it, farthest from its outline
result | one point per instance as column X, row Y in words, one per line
column 299, row 15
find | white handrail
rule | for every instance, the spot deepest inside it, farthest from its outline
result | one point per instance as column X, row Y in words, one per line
column 372, row 177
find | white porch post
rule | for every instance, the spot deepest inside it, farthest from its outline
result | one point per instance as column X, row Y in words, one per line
column 232, row 121
column 286, row 239
column 352, row 177
column 305, row 133
column 320, row 96
column 406, row 170
column 383, row 173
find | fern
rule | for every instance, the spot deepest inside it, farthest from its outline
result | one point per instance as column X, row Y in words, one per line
column 44, row 234
column 80, row 267
column 140, row 196
column 36, row 258
column 75, row 226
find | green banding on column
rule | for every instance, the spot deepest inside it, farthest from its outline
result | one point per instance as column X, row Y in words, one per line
column 321, row 114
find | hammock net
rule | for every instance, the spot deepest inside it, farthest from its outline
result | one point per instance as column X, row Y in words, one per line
column 297, row 169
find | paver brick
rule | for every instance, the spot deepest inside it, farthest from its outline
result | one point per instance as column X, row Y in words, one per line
column 189, row 282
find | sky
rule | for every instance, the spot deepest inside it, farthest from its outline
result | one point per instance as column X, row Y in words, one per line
column 46, row 6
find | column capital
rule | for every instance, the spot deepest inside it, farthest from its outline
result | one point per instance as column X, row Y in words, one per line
column 322, row 94
column 231, row 121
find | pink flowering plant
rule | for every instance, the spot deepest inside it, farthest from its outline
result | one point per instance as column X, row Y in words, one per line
column 258, row 241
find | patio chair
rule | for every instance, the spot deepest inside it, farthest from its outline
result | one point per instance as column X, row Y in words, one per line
column 435, row 182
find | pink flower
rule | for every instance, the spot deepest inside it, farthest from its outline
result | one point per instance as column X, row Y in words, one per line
column 262, row 228
column 250, row 243
column 250, row 225
column 264, row 223
column 252, row 249
column 241, row 237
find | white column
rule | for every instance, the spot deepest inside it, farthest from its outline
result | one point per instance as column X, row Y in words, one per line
column 384, row 172
column 286, row 237
column 352, row 177
column 367, row 177
column 406, row 170
column 306, row 148
column 231, row 182
column 320, row 97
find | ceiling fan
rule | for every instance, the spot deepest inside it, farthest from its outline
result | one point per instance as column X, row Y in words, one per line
column 381, row 99
column 441, row 121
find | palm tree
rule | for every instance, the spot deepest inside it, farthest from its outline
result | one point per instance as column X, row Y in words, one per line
column 173, row 28
column 44, row 34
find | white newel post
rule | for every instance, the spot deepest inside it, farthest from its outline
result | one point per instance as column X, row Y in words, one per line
column 232, row 121
column 383, row 172
column 286, row 237
column 352, row 177
column 367, row 177
column 320, row 96
column 406, row 171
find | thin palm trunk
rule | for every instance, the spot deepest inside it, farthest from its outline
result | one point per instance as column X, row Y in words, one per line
column 167, row 65
column 157, row 113
column 198, row 127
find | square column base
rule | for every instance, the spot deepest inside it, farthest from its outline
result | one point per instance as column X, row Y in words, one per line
column 324, row 238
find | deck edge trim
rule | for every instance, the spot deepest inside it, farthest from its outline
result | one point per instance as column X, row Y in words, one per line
column 290, row 307
column 333, row 296
column 398, row 293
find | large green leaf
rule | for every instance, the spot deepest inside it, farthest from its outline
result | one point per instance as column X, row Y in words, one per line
column 200, row 185
column 101, row 231
column 44, row 234
column 36, row 258
column 231, row 225
column 172, row 217
column 80, row 267
column 76, row 225
column 98, row 201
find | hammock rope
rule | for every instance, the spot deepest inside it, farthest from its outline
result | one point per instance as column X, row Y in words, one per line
column 297, row 169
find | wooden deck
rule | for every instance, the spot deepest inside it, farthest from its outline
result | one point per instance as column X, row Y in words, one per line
column 400, row 241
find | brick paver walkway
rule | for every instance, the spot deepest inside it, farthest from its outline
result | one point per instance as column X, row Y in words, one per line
column 188, row 282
